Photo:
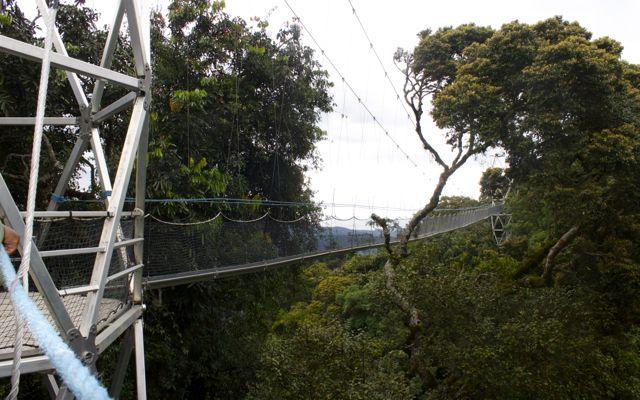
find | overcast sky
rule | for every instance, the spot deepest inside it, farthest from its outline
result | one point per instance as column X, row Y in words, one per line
column 360, row 165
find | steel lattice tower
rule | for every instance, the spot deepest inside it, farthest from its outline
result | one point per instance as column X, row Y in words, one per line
column 84, row 326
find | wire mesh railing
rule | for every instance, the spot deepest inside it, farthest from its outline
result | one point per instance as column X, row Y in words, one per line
column 71, row 273
column 222, row 244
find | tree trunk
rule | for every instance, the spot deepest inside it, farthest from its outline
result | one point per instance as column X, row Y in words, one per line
column 533, row 259
column 556, row 249
column 420, row 215
column 414, row 323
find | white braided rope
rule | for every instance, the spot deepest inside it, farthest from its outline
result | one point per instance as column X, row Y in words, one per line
column 247, row 221
column 184, row 223
column 49, row 21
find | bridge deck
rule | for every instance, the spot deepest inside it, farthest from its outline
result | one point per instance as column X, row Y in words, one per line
column 110, row 309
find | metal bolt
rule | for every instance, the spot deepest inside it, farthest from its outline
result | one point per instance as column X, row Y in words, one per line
column 87, row 357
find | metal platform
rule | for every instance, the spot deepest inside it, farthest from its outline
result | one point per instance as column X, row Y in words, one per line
column 109, row 310
column 110, row 330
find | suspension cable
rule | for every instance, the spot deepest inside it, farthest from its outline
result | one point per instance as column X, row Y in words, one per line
column 350, row 87
column 386, row 73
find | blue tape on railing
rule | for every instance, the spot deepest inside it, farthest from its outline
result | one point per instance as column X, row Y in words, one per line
column 105, row 194
column 76, row 376
column 57, row 199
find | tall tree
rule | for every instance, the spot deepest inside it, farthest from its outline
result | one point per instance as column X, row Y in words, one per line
column 563, row 106
column 429, row 71
column 234, row 99
column 566, row 109
column 235, row 115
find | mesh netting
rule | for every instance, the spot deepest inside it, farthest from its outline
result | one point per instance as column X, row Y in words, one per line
column 451, row 220
column 221, row 242
column 108, row 311
column 72, row 271
column 69, row 233
column 172, row 248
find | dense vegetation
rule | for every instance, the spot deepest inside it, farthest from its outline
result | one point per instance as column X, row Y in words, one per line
column 234, row 115
column 551, row 314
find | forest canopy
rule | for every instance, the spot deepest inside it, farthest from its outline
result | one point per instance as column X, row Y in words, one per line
column 551, row 313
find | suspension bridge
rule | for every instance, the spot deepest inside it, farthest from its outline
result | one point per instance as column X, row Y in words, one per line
column 180, row 253
column 87, row 270
column 193, row 271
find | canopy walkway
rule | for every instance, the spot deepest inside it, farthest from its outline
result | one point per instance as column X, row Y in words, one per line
column 87, row 269
column 176, row 254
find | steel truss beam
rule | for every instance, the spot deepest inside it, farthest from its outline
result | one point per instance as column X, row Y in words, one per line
column 134, row 155
column 65, row 121
column 73, row 79
column 121, row 104
column 107, row 56
column 499, row 226
column 35, row 53
column 124, row 356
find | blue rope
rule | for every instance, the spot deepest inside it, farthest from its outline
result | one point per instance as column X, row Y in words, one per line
column 58, row 199
column 76, row 376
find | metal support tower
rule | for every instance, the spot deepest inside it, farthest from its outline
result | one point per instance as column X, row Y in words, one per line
column 81, row 331
column 499, row 223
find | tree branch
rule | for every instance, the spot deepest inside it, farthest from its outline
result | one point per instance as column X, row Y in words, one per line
column 460, row 149
column 417, row 113
column 50, row 152
column 414, row 91
column 413, row 322
column 13, row 176
column 420, row 215
column 556, row 249
column 385, row 231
